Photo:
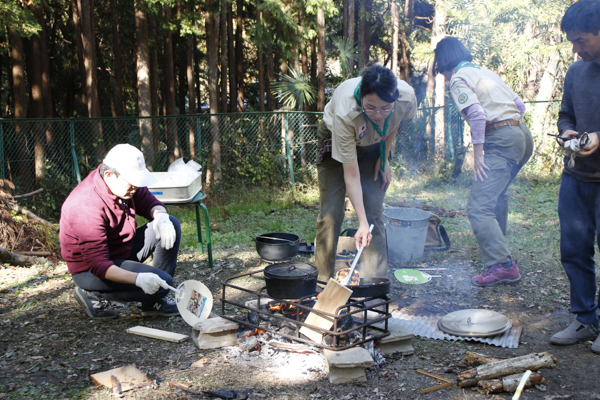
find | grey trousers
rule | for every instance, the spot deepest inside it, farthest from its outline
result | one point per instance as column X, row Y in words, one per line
column 506, row 150
column 332, row 187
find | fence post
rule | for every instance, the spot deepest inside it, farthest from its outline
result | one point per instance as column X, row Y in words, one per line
column 287, row 147
column 2, row 163
column 76, row 174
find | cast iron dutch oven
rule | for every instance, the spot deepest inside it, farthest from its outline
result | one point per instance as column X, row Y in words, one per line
column 277, row 246
column 290, row 280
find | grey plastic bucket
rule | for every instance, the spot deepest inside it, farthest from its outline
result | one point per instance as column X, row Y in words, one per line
column 406, row 231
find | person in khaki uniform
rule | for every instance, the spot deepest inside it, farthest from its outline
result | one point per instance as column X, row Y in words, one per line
column 359, row 126
column 501, row 146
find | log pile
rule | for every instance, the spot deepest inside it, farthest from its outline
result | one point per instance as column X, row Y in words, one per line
column 23, row 241
column 493, row 375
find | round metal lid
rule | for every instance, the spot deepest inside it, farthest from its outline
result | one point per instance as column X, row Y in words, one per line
column 474, row 323
column 290, row 270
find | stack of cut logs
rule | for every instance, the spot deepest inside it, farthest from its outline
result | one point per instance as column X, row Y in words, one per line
column 494, row 375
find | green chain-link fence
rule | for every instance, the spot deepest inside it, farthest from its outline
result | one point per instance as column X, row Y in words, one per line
column 270, row 147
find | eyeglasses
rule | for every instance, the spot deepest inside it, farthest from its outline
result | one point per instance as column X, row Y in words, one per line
column 383, row 113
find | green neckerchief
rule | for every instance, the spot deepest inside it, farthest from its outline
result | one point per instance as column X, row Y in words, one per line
column 382, row 133
column 463, row 64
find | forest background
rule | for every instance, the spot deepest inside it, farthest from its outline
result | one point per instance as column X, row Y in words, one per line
column 145, row 58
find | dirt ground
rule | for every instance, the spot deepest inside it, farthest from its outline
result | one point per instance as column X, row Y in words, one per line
column 49, row 347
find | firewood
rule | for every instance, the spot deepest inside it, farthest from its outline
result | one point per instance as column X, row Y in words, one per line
column 31, row 215
column 473, row 359
column 21, row 196
column 11, row 258
column 508, row 383
column 509, row 366
column 183, row 387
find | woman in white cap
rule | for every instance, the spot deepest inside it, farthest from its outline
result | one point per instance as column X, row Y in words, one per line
column 103, row 247
column 501, row 146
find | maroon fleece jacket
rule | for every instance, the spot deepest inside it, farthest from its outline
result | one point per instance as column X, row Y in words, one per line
column 97, row 227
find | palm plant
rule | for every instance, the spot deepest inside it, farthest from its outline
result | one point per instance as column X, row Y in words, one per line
column 295, row 90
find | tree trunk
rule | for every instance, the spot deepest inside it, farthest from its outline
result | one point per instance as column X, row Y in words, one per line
column 231, row 64
column 171, row 109
column 36, row 105
column 212, row 57
column 143, row 81
column 191, row 96
column 223, row 53
column 313, row 66
column 261, row 64
column 79, row 44
column 17, row 59
column 181, row 50
column 321, row 59
column 349, row 32
column 86, row 16
column 436, row 84
column 270, row 60
column 239, row 54
column 364, row 34
column 118, row 59
column 395, row 35
column 404, row 44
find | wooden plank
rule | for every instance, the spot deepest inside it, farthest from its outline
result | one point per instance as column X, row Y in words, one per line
column 157, row 334
column 129, row 377
column 333, row 296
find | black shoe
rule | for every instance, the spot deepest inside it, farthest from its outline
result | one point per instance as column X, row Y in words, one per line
column 165, row 307
column 94, row 306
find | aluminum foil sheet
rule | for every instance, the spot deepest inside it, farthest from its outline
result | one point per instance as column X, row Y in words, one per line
column 427, row 327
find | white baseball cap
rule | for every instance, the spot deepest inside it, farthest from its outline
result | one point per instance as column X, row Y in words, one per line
column 130, row 163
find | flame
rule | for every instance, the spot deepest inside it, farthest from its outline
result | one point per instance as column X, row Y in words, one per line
column 255, row 332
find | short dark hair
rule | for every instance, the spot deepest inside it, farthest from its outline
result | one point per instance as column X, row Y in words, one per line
column 449, row 52
column 380, row 80
column 582, row 16
column 104, row 168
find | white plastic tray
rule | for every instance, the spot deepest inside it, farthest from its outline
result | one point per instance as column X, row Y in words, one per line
column 169, row 188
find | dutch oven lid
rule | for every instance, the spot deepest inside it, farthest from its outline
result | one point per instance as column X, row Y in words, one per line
column 475, row 323
column 290, row 270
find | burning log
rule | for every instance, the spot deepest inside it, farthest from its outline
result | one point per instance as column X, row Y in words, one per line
column 473, row 359
column 509, row 366
column 509, row 383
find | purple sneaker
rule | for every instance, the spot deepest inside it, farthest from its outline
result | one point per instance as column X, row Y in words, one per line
column 495, row 274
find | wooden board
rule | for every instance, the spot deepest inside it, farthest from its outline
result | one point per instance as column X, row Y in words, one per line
column 129, row 377
column 157, row 334
column 333, row 296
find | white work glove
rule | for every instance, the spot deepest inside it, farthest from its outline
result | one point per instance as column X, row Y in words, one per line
column 164, row 230
column 149, row 282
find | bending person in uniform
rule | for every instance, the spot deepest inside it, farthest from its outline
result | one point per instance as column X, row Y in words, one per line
column 501, row 146
column 359, row 126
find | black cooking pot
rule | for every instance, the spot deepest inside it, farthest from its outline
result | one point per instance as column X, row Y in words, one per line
column 370, row 287
column 290, row 280
column 277, row 246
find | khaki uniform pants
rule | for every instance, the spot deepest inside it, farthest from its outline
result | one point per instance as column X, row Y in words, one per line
column 506, row 150
column 332, row 187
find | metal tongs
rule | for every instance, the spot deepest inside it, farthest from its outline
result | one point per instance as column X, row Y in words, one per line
column 346, row 280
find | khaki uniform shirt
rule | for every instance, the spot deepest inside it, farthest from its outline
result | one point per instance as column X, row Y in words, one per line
column 472, row 84
column 350, row 128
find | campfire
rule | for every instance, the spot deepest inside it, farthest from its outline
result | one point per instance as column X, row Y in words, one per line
column 353, row 323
